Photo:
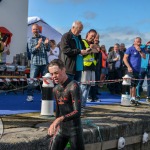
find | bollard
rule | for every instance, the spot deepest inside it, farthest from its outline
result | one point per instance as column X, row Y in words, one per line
column 47, row 106
column 125, row 97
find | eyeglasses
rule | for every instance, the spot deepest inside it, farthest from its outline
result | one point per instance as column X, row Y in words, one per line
column 79, row 28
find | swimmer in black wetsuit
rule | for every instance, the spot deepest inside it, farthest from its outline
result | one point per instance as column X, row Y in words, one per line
column 67, row 126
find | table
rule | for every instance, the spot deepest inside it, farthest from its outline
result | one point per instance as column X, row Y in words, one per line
column 8, row 82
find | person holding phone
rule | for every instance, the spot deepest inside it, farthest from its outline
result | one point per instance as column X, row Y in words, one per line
column 89, row 67
column 73, row 50
column 4, row 49
column 3, row 55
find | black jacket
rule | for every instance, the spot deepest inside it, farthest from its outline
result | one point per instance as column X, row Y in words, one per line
column 69, row 51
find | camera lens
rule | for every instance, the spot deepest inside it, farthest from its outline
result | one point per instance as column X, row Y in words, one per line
column 148, row 47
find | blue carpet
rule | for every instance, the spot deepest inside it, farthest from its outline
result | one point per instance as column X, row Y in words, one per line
column 15, row 104
column 106, row 99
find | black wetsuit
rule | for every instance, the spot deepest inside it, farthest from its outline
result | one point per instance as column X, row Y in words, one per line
column 68, row 104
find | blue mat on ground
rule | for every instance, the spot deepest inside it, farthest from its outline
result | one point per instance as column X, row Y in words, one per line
column 106, row 99
column 14, row 104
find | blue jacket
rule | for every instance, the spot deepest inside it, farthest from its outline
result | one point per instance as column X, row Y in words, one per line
column 144, row 62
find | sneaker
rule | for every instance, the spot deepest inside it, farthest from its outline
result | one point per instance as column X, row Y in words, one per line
column 30, row 98
column 132, row 100
column 138, row 97
column 148, row 99
column 88, row 99
column 96, row 100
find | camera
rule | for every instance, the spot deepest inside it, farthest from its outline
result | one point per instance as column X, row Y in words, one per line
column 88, row 50
column 5, row 37
column 148, row 47
column 2, row 40
column 143, row 46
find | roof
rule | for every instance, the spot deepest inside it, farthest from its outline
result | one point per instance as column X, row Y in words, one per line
column 34, row 19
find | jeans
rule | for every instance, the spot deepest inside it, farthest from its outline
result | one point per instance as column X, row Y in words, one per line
column 35, row 71
column 94, row 90
column 85, row 88
column 142, row 75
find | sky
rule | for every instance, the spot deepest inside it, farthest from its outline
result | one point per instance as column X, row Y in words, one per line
column 117, row 21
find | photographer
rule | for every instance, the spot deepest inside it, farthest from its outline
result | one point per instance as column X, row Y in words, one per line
column 1, row 46
column 144, row 71
column 4, row 49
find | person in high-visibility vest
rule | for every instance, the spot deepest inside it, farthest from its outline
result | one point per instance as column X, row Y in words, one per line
column 98, row 57
column 89, row 66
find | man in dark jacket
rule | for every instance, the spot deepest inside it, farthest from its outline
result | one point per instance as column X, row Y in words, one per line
column 72, row 51
column 115, row 61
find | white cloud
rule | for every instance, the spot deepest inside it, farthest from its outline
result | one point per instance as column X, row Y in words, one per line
column 113, row 35
column 89, row 15
column 121, row 35
column 144, row 21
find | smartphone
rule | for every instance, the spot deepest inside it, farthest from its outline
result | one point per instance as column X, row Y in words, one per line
column 89, row 50
column 5, row 38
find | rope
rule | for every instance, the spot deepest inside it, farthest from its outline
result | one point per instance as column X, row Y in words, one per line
column 7, row 82
column 90, row 123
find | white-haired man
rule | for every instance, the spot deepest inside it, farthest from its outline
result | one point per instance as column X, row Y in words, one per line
column 72, row 50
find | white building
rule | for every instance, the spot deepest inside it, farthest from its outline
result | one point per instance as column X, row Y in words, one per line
column 13, row 16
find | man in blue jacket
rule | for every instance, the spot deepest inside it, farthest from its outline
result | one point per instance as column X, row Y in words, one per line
column 144, row 71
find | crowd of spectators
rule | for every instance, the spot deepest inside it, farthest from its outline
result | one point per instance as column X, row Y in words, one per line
column 87, row 61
